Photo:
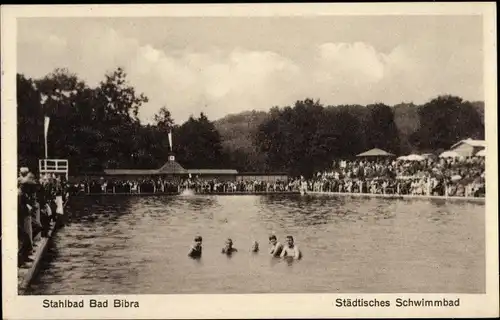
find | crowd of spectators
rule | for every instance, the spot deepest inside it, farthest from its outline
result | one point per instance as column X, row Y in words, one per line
column 160, row 185
column 460, row 177
column 241, row 186
column 40, row 206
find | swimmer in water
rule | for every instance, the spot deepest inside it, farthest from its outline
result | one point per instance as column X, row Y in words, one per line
column 290, row 249
column 228, row 248
column 195, row 251
column 276, row 247
column 255, row 247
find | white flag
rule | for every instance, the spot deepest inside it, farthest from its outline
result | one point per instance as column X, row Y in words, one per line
column 46, row 126
column 170, row 139
column 46, row 132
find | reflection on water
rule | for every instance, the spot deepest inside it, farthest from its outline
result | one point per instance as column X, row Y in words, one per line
column 125, row 245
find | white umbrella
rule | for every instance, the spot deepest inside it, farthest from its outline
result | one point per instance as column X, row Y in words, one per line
column 450, row 154
column 402, row 158
column 481, row 153
column 375, row 152
column 428, row 155
column 414, row 157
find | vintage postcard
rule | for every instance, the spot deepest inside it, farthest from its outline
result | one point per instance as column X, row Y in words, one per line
column 249, row 161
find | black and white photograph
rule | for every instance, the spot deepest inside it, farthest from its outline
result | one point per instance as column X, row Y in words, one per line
column 213, row 153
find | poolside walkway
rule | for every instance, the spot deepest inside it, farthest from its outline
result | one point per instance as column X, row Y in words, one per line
column 397, row 196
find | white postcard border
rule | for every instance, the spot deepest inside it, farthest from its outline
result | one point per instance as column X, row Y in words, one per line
column 243, row 305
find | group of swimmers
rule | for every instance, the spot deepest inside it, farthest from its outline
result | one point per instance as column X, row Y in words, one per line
column 289, row 249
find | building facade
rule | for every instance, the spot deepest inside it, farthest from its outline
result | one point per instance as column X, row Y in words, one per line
column 267, row 177
column 468, row 147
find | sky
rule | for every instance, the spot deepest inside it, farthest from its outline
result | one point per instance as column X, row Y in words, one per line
column 225, row 65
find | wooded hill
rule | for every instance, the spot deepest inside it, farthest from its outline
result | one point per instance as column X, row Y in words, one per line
column 239, row 131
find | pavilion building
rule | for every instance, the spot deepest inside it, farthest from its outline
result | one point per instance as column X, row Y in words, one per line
column 173, row 171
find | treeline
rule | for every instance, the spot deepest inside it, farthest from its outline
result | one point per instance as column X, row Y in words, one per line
column 306, row 138
column 97, row 128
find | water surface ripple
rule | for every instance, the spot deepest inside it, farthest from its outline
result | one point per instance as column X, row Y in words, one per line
column 139, row 245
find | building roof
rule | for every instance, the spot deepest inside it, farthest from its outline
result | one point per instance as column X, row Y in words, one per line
column 375, row 152
column 471, row 142
column 171, row 167
column 212, row 171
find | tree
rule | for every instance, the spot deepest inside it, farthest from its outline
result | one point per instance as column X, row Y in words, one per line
column 30, row 117
column 68, row 102
column 288, row 138
column 383, row 132
column 446, row 120
column 348, row 126
column 306, row 151
column 407, row 121
column 118, row 99
column 117, row 106
column 163, row 119
column 199, row 144
column 93, row 128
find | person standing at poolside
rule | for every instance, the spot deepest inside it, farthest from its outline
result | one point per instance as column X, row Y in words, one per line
column 291, row 249
column 196, row 248
column 276, row 248
column 25, row 232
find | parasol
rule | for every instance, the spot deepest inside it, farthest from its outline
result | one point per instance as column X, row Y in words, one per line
column 450, row 154
column 375, row 152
